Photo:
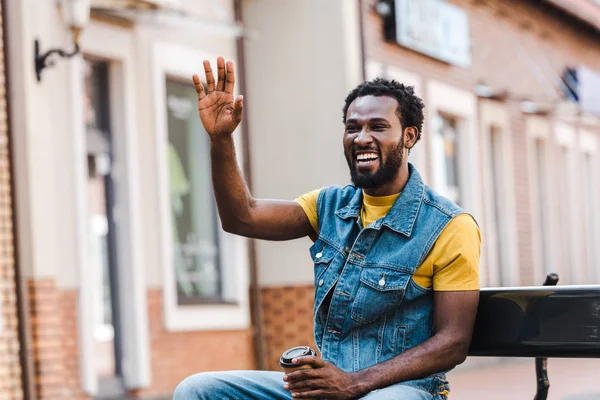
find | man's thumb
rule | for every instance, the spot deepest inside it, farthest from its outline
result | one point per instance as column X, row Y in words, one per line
column 237, row 108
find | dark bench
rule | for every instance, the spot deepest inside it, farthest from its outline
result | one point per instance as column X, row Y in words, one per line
column 541, row 322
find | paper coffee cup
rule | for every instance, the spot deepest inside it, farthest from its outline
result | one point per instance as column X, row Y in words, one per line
column 286, row 359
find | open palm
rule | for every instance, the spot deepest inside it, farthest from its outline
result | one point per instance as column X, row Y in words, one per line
column 218, row 111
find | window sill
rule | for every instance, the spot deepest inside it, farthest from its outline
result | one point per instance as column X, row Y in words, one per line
column 208, row 302
column 206, row 317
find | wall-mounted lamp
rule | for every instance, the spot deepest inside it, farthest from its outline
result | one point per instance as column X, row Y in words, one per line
column 484, row 91
column 383, row 8
column 76, row 14
column 531, row 107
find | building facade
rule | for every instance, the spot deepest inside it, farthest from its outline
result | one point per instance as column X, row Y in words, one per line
column 498, row 97
column 503, row 134
column 132, row 285
column 10, row 364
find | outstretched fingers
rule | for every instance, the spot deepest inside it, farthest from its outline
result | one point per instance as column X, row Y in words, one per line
column 220, row 74
column 210, row 79
column 199, row 86
column 230, row 79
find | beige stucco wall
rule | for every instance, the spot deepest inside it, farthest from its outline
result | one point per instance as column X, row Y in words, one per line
column 40, row 116
column 43, row 116
column 302, row 59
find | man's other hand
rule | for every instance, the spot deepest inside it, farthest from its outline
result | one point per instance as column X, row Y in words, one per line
column 218, row 111
column 323, row 380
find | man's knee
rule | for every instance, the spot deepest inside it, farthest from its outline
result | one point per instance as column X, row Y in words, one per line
column 197, row 387
column 398, row 391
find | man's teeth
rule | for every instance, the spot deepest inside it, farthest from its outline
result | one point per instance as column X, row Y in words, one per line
column 366, row 156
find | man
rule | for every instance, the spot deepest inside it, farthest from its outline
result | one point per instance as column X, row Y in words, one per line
column 396, row 264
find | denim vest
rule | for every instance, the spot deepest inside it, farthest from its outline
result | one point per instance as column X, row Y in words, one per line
column 368, row 309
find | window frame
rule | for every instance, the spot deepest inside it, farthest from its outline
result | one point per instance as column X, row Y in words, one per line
column 177, row 62
column 589, row 143
column 565, row 136
column 544, row 249
column 494, row 114
column 462, row 105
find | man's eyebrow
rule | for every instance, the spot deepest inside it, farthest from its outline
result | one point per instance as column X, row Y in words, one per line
column 372, row 120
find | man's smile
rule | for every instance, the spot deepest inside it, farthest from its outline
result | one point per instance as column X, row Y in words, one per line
column 365, row 160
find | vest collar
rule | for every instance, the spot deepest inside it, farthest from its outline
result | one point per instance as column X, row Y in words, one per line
column 403, row 214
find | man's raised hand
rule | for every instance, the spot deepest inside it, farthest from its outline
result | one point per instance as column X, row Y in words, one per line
column 218, row 111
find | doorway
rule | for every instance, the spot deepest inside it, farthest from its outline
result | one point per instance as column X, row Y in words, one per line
column 102, row 256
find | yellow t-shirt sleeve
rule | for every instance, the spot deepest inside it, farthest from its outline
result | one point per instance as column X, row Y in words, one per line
column 455, row 256
column 308, row 202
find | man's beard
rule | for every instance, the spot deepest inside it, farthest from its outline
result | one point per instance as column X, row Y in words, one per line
column 386, row 172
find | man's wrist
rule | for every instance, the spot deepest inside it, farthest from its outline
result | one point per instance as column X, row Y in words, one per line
column 221, row 138
column 361, row 383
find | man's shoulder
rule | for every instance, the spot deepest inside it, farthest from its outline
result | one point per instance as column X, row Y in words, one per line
column 442, row 204
column 340, row 191
column 336, row 196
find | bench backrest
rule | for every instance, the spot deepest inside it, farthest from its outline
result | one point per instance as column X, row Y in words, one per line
column 544, row 321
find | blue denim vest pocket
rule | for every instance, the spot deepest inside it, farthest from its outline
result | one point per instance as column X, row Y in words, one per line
column 321, row 254
column 380, row 291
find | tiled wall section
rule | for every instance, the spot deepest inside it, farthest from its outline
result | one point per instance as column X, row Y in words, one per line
column 10, row 370
column 55, row 347
column 176, row 355
column 287, row 320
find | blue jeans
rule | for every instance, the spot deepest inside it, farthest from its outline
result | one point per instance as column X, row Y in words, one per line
column 267, row 385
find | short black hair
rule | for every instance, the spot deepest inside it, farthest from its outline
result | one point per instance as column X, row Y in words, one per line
column 410, row 106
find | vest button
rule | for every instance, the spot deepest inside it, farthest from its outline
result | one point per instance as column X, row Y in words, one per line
column 321, row 282
column 347, row 249
column 382, row 282
column 319, row 255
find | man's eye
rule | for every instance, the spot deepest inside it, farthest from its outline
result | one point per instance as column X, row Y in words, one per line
column 352, row 128
column 379, row 127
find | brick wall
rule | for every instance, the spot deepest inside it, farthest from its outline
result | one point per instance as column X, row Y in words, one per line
column 54, row 341
column 507, row 38
column 176, row 355
column 287, row 320
column 10, row 370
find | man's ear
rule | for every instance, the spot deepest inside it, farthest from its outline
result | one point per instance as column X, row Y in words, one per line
column 410, row 136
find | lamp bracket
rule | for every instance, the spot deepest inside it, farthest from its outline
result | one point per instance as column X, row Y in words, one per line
column 41, row 60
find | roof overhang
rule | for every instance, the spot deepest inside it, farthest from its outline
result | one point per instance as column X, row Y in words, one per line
column 584, row 10
column 163, row 13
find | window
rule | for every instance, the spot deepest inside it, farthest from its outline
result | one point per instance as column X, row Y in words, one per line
column 204, row 269
column 589, row 195
column 193, row 212
column 445, row 157
column 567, row 256
column 541, row 210
column 499, row 216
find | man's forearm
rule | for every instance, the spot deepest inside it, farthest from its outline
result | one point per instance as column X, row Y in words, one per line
column 234, row 200
column 437, row 354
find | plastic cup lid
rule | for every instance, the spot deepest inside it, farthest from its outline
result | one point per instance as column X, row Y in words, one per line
column 290, row 354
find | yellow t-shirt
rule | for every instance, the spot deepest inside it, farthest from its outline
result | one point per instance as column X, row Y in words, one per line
column 453, row 262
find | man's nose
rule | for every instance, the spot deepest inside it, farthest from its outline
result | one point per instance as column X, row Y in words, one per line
column 363, row 138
